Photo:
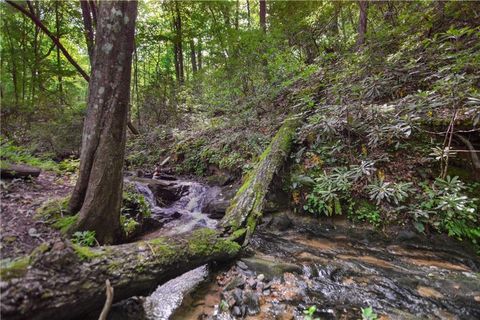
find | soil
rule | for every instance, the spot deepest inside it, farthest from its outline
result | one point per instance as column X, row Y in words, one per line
column 20, row 231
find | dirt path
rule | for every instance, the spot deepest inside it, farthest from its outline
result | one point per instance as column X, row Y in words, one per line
column 20, row 233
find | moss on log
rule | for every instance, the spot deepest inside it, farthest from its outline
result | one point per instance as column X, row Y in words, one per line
column 247, row 205
column 66, row 281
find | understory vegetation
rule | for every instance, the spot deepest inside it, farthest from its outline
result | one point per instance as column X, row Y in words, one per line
column 386, row 118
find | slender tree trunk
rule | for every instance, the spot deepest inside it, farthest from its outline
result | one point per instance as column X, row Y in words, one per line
column 237, row 13
column 263, row 15
column 135, row 79
column 199, row 54
column 362, row 22
column 98, row 192
column 88, row 25
column 248, row 14
column 14, row 64
column 179, row 40
column 59, row 62
column 193, row 57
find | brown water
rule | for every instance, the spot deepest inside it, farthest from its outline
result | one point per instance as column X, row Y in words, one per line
column 337, row 267
column 346, row 269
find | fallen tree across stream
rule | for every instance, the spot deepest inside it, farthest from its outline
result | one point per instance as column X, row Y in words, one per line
column 66, row 281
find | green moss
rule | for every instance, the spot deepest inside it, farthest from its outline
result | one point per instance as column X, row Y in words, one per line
column 206, row 242
column 14, row 269
column 162, row 248
column 85, row 253
column 65, row 223
column 53, row 209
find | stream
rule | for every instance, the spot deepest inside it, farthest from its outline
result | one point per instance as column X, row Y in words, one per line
column 295, row 262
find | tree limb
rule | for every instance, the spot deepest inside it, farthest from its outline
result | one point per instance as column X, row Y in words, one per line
column 39, row 24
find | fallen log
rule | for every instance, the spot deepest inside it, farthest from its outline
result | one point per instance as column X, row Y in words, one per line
column 12, row 171
column 246, row 207
column 66, row 281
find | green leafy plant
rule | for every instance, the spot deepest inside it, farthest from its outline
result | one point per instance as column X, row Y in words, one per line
column 84, row 238
column 381, row 190
column 446, row 206
column 368, row 212
column 326, row 196
column 309, row 313
column 369, row 314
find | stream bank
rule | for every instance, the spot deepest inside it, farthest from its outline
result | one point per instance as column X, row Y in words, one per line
column 296, row 261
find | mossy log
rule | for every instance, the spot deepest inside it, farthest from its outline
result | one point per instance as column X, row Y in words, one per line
column 246, row 207
column 12, row 171
column 66, row 281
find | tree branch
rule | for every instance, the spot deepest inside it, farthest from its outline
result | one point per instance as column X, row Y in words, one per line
column 39, row 24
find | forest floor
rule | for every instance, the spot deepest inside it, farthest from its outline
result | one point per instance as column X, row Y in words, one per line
column 20, row 232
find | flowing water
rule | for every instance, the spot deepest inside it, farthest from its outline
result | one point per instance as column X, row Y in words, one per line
column 185, row 214
column 337, row 267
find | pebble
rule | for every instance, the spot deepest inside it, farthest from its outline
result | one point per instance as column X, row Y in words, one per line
column 242, row 265
column 261, row 277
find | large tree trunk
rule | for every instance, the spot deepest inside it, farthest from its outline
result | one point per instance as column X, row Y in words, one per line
column 67, row 283
column 362, row 23
column 98, row 191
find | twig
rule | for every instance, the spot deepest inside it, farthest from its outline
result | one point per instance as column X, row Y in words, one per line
column 108, row 301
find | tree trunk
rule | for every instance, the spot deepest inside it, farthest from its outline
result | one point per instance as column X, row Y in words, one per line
column 178, row 42
column 263, row 15
column 362, row 23
column 88, row 25
column 193, row 56
column 248, row 14
column 69, row 283
column 98, row 191
column 59, row 62
column 199, row 54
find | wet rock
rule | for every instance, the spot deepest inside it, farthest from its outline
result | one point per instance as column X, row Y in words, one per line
column 261, row 277
column 237, row 312
column 280, row 221
column 252, row 302
column 237, row 295
column 150, row 223
column 216, row 208
column 242, row 265
column 271, row 268
column 252, row 283
column 237, row 282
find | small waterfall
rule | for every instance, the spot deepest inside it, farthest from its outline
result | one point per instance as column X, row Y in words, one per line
column 183, row 215
column 147, row 194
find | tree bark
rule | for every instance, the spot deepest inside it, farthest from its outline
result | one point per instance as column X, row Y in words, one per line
column 362, row 22
column 193, row 56
column 67, row 283
column 263, row 15
column 98, row 191
column 88, row 25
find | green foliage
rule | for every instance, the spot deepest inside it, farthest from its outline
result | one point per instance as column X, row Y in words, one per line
column 84, row 238
column 368, row 314
column 65, row 223
column 328, row 192
column 11, row 154
column 134, row 204
column 129, row 225
column 367, row 212
column 381, row 190
column 309, row 313
column 446, row 206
